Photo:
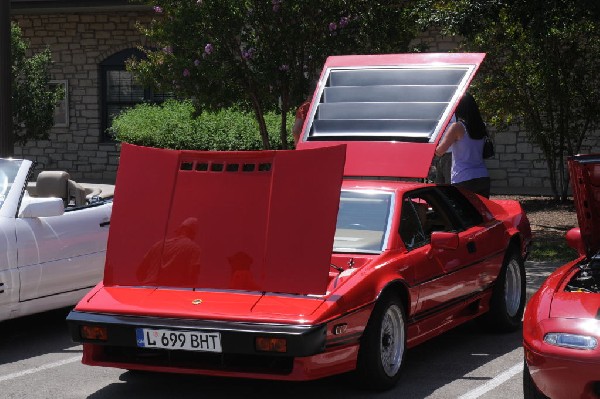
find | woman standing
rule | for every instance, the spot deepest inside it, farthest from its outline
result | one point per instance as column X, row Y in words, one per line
column 466, row 136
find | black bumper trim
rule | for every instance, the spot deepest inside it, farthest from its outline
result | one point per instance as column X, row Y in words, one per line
column 236, row 337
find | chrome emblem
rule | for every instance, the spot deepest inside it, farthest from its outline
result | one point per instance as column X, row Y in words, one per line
column 196, row 301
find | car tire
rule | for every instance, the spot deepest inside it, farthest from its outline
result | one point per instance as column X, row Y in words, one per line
column 508, row 297
column 530, row 391
column 383, row 345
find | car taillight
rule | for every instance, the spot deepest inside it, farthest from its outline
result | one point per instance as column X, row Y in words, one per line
column 94, row 332
column 265, row 344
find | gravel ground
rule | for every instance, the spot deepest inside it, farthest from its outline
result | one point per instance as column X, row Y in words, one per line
column 549, row 219
column 546, row 215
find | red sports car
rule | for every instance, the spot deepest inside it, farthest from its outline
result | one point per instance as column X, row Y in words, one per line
column 561, row 328
column 296, row 265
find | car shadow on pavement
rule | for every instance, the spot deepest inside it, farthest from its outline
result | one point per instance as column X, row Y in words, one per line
column 35, row 335
column 428, row 368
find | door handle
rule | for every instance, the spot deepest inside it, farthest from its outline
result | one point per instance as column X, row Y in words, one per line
column 104, row 224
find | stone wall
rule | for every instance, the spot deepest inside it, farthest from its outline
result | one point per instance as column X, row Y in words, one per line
column 79, row 42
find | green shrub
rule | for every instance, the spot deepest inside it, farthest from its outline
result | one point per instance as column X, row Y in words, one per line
column 173, row 125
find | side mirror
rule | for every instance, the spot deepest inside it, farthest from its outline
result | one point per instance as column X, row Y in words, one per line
column 444, row 240
column 575, row 241
column 42, row 207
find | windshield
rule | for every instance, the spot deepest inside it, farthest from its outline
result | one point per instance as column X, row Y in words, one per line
column 362, row 222
column 8, row 172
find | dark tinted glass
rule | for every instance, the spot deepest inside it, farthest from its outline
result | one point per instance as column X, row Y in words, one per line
column 404, row 104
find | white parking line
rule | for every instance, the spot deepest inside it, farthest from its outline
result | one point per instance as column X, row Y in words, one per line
column 493, row 383
column 40, row 368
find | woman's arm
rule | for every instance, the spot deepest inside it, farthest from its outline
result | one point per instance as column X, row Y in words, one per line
column 455, row 132
column 297, row 129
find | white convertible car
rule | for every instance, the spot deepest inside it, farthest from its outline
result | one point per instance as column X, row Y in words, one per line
column 53, row 235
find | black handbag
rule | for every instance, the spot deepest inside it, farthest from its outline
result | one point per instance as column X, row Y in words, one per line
column 488, row 148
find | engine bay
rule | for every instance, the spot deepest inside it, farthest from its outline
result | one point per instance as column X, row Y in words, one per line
column 587, row 279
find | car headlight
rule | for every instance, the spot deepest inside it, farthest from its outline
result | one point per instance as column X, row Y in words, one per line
column 573, row 341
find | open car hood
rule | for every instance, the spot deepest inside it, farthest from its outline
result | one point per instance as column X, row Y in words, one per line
column 584, row 172
column 389, row 109
column 253, row 221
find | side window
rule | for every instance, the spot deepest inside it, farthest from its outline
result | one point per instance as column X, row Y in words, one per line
column 119, row 90
column 422, row 214
column 466, row 212
column 411, row 228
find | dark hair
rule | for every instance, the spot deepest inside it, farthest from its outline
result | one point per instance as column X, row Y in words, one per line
column 468, row 112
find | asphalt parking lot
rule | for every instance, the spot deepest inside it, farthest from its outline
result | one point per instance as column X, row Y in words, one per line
column 38, row 360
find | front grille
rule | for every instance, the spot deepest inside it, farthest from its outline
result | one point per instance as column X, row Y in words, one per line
column 263, row 364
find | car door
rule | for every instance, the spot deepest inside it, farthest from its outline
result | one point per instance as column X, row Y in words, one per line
column 443, row 275
column 482, row 240
column 63, row 253
column 9, row 278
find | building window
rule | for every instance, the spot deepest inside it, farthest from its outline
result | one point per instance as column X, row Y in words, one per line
column 61, row 111
column 120, row 90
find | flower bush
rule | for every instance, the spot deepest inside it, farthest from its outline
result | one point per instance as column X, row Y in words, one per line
column 174, row 125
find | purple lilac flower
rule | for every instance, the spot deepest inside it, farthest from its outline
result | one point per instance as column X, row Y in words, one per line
column 344, row 22
column 186, row 73
column 208, row 49
column 248, row 54
column 168, row 50
column 284, row 67
column 276, row 5
column 197, row 62
column 199, row 2
column 158, row 9
column 332, row 27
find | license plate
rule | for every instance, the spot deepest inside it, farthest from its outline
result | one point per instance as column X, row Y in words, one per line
column 180, row 340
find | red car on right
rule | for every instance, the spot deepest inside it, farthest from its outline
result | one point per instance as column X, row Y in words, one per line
column 561, row 325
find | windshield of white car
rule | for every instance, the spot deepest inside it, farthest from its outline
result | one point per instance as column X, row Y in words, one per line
column 8, row 171
column 362, row 223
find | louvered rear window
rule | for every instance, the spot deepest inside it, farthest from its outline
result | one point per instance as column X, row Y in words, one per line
column 372, row 104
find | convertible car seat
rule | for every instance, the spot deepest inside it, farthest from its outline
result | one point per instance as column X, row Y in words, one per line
column 58, row 184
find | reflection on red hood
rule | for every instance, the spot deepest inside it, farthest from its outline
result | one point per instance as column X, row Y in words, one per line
column 258, row 221
column 585, row 177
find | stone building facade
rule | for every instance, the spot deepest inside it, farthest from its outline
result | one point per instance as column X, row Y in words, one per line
column 80, row 41
column 82, row 38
